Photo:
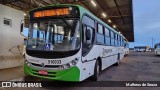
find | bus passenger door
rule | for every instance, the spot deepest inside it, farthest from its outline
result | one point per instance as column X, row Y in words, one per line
column 88, row 35
column 87, row 52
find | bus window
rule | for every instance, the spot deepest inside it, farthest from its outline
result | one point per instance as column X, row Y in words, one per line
column 59, row 34
column 87, row 44
column 100, row 29
column 115, row 37
column 122, row 41
column 88, row 24
column 107, row 32
column 112, row 38
column 117, row 40
column 100, row 35
column 107, row 37
column 88, row 21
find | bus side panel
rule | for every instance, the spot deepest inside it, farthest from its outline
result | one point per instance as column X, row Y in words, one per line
column 88, row 62
column 115, row 53
column 108, row 59
column 112, row 57
column 122, row 53
column 106, row 62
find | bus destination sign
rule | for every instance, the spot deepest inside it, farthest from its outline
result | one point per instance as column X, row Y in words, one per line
column 51, row 12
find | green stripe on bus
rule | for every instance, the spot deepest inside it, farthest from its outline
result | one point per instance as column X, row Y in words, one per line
column 71, row 74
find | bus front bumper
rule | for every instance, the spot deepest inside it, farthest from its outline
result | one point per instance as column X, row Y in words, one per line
column 71, row 74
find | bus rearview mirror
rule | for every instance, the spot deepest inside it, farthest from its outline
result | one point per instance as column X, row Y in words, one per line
column 21, row 28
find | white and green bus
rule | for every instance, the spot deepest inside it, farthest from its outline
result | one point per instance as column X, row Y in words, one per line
column 157, row 49
column 68, row 43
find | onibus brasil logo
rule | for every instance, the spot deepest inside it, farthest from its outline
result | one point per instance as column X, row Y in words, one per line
column 20, row 84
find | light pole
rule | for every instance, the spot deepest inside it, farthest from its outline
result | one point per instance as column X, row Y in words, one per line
column 153, row 42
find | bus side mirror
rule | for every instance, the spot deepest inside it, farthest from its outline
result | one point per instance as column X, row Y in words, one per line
column 21, row 28
column 88, row 34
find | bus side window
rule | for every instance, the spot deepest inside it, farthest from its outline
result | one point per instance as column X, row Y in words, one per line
column 122, row 43
column 107, row 36
column 112, row 38
column 87, row 43
column 115, row 38
column 88, row 25
column 100, row 34
column 118, row 40
column 85, row 28
column 83, row 34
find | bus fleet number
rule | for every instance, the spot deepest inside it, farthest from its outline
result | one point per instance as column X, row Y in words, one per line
column 54, row 61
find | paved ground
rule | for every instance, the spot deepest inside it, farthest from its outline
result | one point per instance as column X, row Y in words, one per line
column 137, row 66
column 11, row 73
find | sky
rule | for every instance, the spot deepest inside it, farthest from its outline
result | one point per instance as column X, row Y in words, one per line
column 146, row 16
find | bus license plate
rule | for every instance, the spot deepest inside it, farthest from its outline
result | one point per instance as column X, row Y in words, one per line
column 42, row 72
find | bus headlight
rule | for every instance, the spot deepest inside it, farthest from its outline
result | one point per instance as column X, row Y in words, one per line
column 74, row 62
column 62, row 67
column 70, row 64
column 28, row 63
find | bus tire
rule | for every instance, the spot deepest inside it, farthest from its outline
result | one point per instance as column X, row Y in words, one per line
column 118, row 60
column 96, row 71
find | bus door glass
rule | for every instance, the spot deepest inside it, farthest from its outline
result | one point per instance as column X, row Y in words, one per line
column 88, row 34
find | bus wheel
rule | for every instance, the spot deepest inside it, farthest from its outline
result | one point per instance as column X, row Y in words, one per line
column 96, row 71
column 118, row 60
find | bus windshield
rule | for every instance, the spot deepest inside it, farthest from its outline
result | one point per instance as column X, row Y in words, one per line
column 54, row 35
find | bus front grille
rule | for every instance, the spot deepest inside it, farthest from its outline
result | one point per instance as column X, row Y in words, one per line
column 46, row 66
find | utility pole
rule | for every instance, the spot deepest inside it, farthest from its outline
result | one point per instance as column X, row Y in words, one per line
column 152, row 43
